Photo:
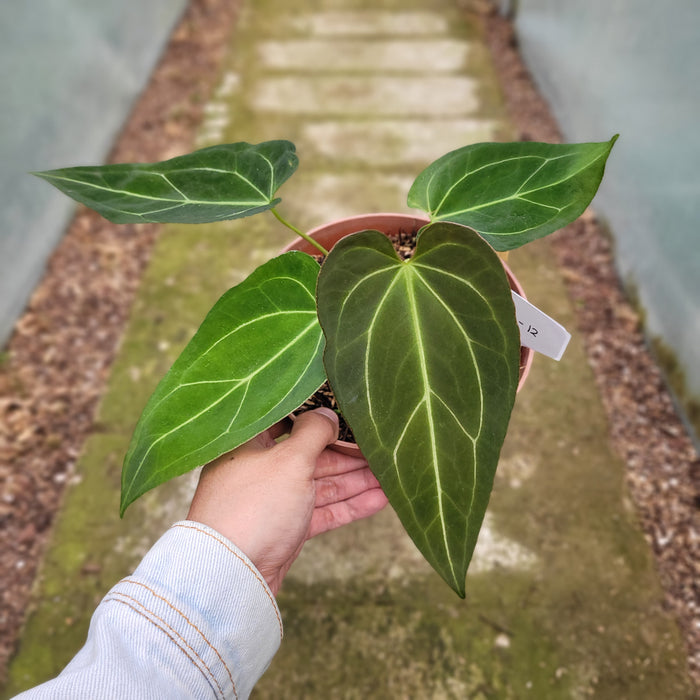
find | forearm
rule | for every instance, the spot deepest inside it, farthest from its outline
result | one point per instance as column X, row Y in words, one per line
column 196, row 620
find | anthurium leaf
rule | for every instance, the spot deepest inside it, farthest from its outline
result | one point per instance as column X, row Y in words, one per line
column 256, row 357
column 228, row 181
column 512, row 193
column 423, row 360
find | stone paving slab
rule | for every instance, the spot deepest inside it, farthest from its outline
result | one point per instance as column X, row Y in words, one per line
column 562, row 597
column 358, row 96
column 391, row 141
column 375, row 23
column 361, row 55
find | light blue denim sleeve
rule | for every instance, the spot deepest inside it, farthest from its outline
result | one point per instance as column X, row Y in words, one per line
column 196, row 620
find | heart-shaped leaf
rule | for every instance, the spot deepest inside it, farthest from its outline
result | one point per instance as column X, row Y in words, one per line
column 256, row 357
column 221, row 182
column 423, row 358
column 512, row 193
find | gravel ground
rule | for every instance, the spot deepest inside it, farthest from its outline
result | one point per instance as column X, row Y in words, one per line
column 56, row 364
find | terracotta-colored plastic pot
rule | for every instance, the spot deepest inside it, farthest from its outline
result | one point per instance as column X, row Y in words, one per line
column 329, row 234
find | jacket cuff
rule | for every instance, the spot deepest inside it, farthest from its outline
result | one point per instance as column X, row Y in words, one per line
column 210, row 600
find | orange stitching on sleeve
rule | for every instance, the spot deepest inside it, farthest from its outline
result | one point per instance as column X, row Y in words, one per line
column 142, row 610
column 247, row 565
column 172, row 638
column 184, row 617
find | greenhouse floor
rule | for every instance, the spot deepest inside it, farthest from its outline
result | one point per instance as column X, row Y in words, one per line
column 564, row 597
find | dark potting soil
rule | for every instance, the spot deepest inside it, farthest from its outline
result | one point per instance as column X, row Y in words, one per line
column 325, row 398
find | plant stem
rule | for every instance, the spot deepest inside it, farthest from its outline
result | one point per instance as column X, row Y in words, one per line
column 299, row 233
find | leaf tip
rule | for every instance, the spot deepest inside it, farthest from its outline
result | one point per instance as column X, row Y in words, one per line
column 610, row 145
column 124, row 504
column 128, row 494
column 459, row 588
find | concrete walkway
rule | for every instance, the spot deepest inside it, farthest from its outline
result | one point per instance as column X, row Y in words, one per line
column 562, row 598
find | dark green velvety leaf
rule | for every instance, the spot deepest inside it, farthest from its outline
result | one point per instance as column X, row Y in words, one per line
column 256, row 357
column 221, row 182
column 423, row 359
column 512, row 193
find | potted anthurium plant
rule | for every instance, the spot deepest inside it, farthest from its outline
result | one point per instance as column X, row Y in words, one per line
column 422, row 354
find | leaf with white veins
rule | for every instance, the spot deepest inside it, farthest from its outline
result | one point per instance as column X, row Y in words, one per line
column 228, row 181
column 423, row 359
column 512, row 193
column 256, row 357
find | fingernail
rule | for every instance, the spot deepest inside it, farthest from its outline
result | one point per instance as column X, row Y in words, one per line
column 328, row 413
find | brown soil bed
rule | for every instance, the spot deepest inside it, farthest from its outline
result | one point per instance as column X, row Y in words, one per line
column 663, row 468
column 54, row 369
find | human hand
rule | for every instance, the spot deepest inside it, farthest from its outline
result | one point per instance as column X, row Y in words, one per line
column 269, row 498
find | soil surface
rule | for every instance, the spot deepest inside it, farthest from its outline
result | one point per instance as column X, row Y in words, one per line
column 54, row 370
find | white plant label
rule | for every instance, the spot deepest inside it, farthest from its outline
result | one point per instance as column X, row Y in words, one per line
column 538, row 331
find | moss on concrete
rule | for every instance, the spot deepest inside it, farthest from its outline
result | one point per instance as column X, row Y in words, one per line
column 675, row 376
column 667, row 360
column 409, row 638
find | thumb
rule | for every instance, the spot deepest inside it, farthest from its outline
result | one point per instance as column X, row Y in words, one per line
column 313, row 431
